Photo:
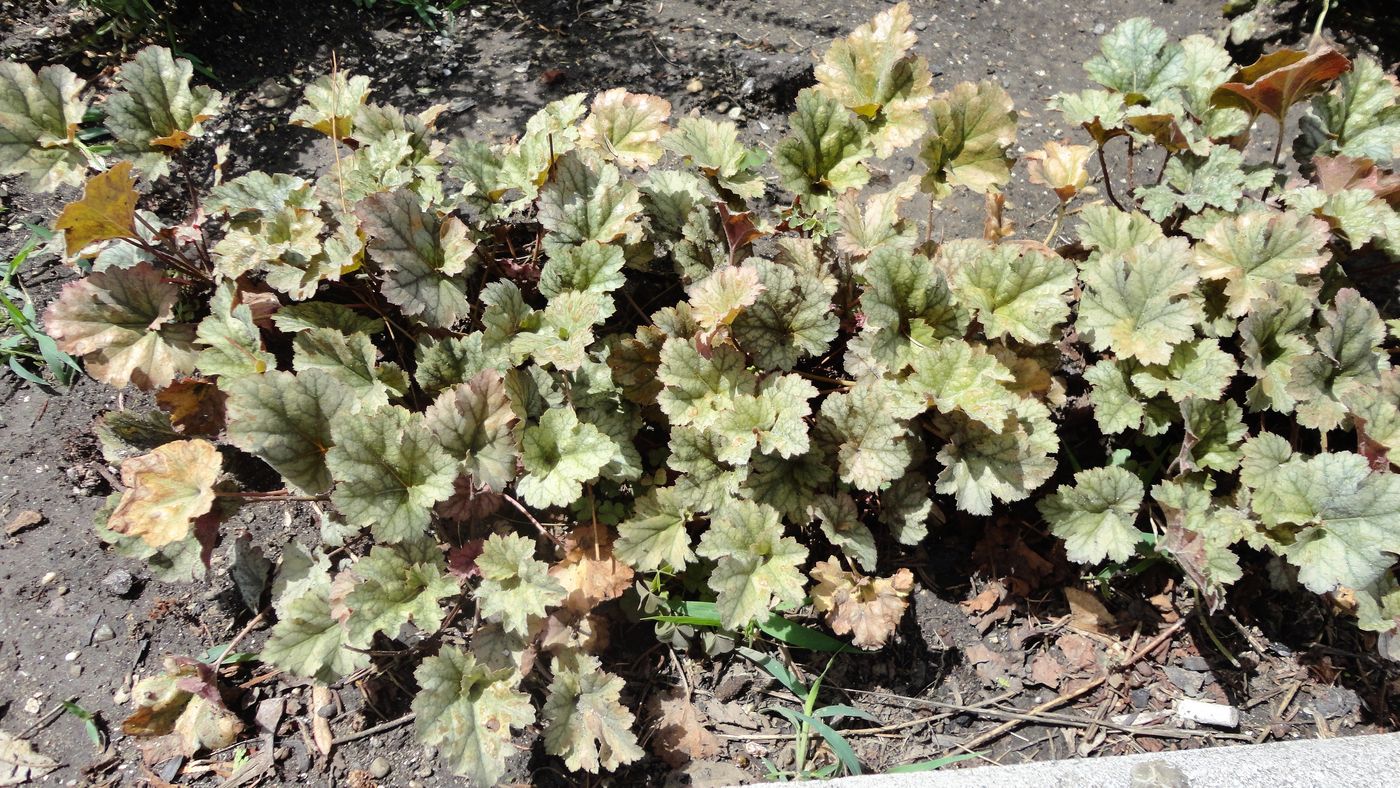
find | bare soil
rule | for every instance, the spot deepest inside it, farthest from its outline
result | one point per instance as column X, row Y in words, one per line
column 989, row 634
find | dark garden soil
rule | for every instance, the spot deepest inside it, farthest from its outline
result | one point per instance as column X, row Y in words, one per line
column 990, row 642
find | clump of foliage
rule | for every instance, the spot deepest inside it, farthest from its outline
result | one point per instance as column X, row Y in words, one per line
column 625, row 360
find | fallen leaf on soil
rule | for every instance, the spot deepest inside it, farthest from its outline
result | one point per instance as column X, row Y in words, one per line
column 320, row 726
column 1080, row 652
column 1046, row 670
column 589, row 572
column 196, row 407
column 183, row 701
column 106, row 211
column 868, row 608
column 166, row 489
column 680, row 736
column 991, row 666
column 1087, row 612
column 990, row 596
column 19, row 763
column 23, row 520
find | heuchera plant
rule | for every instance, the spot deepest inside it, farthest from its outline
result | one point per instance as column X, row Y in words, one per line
column 625, row 356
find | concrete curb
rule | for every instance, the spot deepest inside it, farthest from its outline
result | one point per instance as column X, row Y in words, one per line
column 1355, row 761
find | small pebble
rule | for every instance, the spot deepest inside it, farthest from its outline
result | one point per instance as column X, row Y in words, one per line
column 103, row 634
column 735, row 113
column 1098, row 29
column 120, row 697
column 424, row 771
column 48, row 577
column 326, row 711
column 379, row 768
column 75, row 670
column 70, row 656
column 119, row 582
column 694, row 86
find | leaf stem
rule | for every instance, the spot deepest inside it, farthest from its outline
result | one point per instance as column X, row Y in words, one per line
column 242, row 633
column 538, row 525
column 1108, row 180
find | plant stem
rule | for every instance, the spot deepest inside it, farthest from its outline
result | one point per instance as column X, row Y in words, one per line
column 270, row 496
column 1108, row 180
column 242, row 633
column 1317, row 28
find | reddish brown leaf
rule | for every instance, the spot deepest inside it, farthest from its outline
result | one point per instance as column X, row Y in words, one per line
column 1278, row 80
column 1047, row 671
column 1337, row 173
column 1079, row 651
column 461, row 561
column 469, row 502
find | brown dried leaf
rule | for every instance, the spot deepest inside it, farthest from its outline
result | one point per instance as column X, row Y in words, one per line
column 680, row 736
column 1087, row 612
column 23, row 520
column 196, row 406
column 589, row 572
column 107, row 210
column 988, row 599
column 166, row 490
column 1080, row 651
column 1046, row 670
column 991, row 666
column 869, row 608
column 320, row 726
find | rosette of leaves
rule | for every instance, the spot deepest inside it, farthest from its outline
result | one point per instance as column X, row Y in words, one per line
column 596, row 351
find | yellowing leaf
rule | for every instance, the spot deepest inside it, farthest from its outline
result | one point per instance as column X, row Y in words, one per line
column 330, row 102
column 1254, row 248
column 106, row 211
column 585, row 723
column 867, row 608
column 973, row 128
column 1096, row 515
column 1141, row 302
column 872, row 75
column 1061, row 167
column 722, row 296
column 39, row 117
column 155, row 110
column 166, row 490
column 467, row 711
column 626, row 127
column 184, row 701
